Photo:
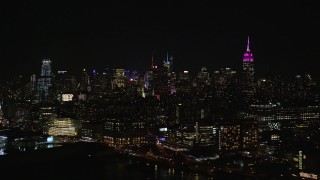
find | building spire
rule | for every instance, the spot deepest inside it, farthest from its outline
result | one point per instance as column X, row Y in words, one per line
column 248, row 45
column 248, row 56
column 167, row 57
column 152, row 61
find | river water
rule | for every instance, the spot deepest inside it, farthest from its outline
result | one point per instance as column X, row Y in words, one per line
column 86, row 162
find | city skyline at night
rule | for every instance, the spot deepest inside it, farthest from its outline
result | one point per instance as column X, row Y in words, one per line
column 159, row 90
column 163, row 57
column 77, row 36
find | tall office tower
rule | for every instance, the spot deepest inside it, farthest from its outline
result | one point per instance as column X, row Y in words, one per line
column 161, row 79
column 203, row 77
column 184, row 82
column 224, row 81
column 120, row 78
column 229, row 137
column 106, row 79
column 249, row 134
column 44, row 81
column 85, row 84
column 171, row 74
column 148, row 79
column 33, row 81
column 166, row 62
column 248, row 62
column 304, row 90
column 248, row 73
column 169, row 63
column 65, row 83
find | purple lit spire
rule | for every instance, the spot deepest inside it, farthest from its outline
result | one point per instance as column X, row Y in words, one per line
column 248, row 57
column 248, row 45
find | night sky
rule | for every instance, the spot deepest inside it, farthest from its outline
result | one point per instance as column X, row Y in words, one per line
column 285, row 37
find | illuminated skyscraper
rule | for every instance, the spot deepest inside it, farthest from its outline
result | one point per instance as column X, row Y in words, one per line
column 249, row 134
column 33, row 82
column 108, row 76
column 148, row 79
column 248, row 73
column 184, row 82
column 44, row 81
column 223, row 81
column 124, row 131
column 229, row 137
column 171, row 74
column 161, row 79
column 120, row 78
column 84, row 81
column 248, row 60
column 63, row 127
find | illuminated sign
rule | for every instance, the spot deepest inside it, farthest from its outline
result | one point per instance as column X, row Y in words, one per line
column 163, row 129
column 67, row 97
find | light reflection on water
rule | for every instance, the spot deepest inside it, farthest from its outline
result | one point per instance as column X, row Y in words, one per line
column 102, row 166
column 133, row 169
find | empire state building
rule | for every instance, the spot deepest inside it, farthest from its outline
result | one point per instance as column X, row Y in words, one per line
column 248, row 73
column 248, row 68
